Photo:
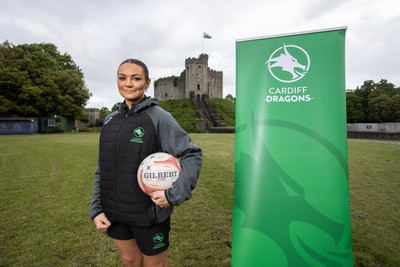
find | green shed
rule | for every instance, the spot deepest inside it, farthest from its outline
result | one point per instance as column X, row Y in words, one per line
column 56, row 125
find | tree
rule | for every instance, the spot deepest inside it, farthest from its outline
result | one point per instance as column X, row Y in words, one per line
column 380, row 102
column 389, row 88
column 354, row 107
column 36, row 80
column 115, row 107
column 230, row 98
column 364, row 92
column 381, row 107
column 396, row 104
column 104, row 111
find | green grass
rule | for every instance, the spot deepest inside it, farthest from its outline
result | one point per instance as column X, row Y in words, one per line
column 375, row 202
column 183, row 111
column 226, row 110
column 46, row 183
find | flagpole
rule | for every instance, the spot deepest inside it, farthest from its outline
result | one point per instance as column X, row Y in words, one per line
column 205, row 35
column 202, row 44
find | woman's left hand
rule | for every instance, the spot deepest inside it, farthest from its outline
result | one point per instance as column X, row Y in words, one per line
column 158, row 197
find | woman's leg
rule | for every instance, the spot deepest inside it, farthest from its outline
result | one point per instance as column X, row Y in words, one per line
column 130, row 252
column 159, row 260
column 133, row 257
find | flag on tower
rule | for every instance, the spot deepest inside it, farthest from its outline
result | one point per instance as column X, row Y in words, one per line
column 205, row 35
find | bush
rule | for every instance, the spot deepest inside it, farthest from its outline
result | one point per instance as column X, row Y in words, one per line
column 59, row 128
column 89, row 129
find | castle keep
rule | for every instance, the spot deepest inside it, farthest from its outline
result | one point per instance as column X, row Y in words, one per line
column 197, row 81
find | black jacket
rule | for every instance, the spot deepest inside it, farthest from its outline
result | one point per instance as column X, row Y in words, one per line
column 127, row 137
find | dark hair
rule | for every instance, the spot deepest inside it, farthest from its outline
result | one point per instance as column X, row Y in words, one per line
column 139, row 63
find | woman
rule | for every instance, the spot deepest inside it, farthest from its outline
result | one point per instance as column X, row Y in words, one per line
column 139, row 224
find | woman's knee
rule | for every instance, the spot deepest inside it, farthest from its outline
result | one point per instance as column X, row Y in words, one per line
column 130, row 253
column 130, row 260
column 159, row 260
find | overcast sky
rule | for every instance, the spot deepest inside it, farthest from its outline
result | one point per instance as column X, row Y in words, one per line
column 99, row 34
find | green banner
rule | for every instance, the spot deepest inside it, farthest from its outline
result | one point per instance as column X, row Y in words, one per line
column 291, row 202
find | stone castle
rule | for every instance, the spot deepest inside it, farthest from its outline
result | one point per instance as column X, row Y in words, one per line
column 197, row 81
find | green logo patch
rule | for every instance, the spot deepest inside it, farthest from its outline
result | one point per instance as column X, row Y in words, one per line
column 138, row 133
column 158, row 241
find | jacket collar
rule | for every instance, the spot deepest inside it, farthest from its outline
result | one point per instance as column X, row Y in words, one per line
column 145, row 103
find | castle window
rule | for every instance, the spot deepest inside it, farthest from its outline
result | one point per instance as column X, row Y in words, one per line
column 198, row 86
column 166, row 95
column 199, row 66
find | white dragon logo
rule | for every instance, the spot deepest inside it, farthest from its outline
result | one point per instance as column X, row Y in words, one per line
column 288, row 63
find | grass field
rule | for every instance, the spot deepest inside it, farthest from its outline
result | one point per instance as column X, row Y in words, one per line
column 45, row 191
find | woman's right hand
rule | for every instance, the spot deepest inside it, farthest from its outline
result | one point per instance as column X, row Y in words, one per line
column 101, row 221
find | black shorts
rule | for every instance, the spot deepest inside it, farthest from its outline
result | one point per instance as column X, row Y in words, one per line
column 151, row 240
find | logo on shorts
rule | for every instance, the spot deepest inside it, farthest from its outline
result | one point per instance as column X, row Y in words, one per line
column 138, row 134
column 158, row 241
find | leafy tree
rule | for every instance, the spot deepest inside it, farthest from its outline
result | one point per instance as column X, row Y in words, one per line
column 389, row 88
column 364, row 92
column 36, row 80
column 355, row 111
column 230, row 98
column 396, row 106
column 104, row 111
column 380, row 102
column 380, row 107
column 115, row 107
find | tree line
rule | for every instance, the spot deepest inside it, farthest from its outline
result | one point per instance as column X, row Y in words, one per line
column 373, row 102
column 36, row 80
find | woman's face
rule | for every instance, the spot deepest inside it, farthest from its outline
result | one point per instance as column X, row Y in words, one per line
column 132, row 83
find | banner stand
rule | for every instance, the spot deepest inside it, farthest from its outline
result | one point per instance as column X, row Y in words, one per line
column 291, row 196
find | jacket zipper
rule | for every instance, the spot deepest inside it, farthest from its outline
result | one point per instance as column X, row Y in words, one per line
column 153, row 218
column 117, row 178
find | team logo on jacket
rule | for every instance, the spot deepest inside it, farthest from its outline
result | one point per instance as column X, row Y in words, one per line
column 138, row 134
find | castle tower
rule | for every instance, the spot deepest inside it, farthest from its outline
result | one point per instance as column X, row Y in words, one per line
column 197, row 76
column 196, row 81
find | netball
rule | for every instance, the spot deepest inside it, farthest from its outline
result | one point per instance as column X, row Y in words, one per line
column 158, row 171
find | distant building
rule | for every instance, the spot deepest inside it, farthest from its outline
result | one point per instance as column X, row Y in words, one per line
column 94, row 119
column 18, row 125
column 94, row 116
column 196, row 81
column 22, row 125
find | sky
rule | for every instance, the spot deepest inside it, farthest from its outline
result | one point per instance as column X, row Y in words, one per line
column 100, row 34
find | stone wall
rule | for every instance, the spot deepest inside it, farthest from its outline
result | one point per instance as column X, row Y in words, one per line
column 169, row 88
column 385, row 127
column 386, row 130
column 215, row 83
